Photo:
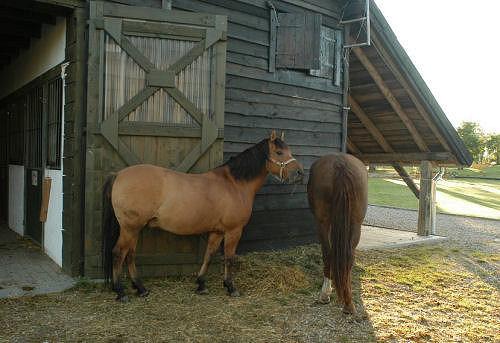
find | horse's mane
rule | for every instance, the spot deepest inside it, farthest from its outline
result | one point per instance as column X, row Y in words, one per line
column 248, row 164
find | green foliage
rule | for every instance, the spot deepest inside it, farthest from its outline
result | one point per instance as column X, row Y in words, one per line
column 473, row 138
column 493, row 147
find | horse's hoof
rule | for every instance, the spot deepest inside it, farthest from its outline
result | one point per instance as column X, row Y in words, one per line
column 122, row 298
column 203, row 291
column 324, row 298
column 235, row 294
column 143, row 294
column 349, row 309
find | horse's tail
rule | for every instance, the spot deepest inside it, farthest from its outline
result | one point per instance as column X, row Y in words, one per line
column 110, row 229
column 341, row 232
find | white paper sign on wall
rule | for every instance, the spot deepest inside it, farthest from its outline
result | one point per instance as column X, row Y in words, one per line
column 34, row 177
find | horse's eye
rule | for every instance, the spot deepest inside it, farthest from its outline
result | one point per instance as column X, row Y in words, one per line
column 279, row 153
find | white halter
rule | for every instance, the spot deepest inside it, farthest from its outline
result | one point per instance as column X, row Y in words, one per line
column 282, row 166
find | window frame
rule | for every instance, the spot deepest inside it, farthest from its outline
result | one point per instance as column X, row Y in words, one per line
column 54, row 123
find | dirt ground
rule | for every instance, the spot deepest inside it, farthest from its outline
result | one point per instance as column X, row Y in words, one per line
column 436, row 293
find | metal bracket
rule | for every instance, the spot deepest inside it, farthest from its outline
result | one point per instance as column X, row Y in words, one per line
column 365, row 22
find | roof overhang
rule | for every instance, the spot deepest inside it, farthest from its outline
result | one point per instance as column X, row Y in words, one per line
column 393, row 115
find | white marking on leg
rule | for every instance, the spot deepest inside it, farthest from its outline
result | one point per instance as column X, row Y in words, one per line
column 326, row 291
column 327, row 286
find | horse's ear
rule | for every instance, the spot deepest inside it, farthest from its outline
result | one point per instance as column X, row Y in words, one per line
column 283, row 136
column 273, row 136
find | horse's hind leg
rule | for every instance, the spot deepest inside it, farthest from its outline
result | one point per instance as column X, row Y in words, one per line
column 132, row 270
column 326, row 289
column 120, row 252
column 214, row 239
column 348, row 304
column 231, row 240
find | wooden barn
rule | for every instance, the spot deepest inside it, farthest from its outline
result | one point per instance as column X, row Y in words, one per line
column 89, row 87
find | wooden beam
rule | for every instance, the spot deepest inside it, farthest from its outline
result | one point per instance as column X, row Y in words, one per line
column 4, row 60
column 377, row 135
column 12, row 51
column 389, row 62
column 369, row 125
column 160, row 130
column 351, row 147
column 21, row 29
column 51, row 7
column 445, row 157
column 390, row 98
column 406, row 178
column 19, row 15
column 14, row 42
column 426, row 201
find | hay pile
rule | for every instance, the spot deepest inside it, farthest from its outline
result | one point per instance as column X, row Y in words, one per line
column 281, row 272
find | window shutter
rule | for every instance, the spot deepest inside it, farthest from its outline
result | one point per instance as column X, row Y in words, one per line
column 330, row 55
column 298, row 41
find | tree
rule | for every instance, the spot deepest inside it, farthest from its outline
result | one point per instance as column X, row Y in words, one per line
column 473, row 138
column 493, row 147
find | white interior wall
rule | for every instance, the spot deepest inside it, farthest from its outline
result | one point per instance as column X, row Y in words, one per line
column 44, row 53
column 16, row 198
column 52, row 238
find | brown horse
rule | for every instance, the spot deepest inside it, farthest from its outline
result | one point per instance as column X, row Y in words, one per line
column 338, row 195
column 218, row 202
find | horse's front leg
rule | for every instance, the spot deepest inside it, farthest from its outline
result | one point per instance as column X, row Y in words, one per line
column 214, row 239
column 231, row 239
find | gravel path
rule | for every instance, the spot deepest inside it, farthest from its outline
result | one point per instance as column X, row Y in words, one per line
column 473, row 233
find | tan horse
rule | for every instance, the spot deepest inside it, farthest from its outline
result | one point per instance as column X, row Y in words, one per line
column 338, row 196
column 218, row 202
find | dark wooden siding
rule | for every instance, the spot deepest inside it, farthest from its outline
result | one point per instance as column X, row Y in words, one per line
column 306, row 108
column 74, row 142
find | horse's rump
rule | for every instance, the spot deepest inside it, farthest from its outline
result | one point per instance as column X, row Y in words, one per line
column 337, row 191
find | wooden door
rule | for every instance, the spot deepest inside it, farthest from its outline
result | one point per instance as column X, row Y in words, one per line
column 156, row 85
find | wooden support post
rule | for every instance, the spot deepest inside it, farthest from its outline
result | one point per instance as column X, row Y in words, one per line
column 426, row 201
column 406, row 178
column 434, row 203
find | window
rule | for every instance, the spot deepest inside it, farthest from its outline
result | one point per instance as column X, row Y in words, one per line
column 15, row 112
column 34, row 127
column 299, row 41
column 33, row 134
column 4, row 137
column 330, row 55
column 54, row 123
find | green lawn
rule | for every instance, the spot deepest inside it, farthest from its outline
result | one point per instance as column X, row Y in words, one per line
column 471, row 197
column 388, row 193
column 491, row 172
